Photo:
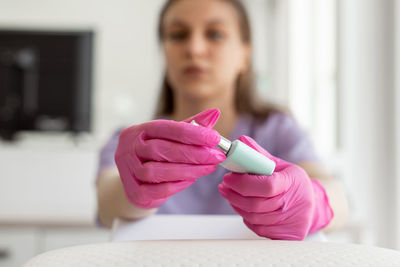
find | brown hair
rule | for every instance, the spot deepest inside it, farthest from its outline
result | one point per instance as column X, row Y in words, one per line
column 246, row 99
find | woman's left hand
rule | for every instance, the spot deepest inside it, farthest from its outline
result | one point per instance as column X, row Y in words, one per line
column 285, row 205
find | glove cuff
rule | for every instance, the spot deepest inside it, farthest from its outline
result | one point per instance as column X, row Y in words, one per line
column 149, row 205
column 323, row 212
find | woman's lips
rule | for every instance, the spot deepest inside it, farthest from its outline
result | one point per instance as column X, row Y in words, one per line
column 194, row 71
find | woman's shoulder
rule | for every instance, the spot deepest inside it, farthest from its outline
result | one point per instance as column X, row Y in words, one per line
column 277, row 120
column 283, row 137
column 278, row 127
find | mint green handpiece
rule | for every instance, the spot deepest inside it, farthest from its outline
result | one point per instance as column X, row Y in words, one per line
column 244, row 159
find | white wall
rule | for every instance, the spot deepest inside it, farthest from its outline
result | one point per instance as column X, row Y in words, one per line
column 397, row 105
column 367, row 91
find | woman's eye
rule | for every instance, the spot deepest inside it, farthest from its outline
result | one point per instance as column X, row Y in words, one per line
column 215, row 35
column 177, row 36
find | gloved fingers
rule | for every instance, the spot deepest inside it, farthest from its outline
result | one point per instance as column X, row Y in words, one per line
column 147, row 195
column 162, row 190
column 138, row 196
column 149, row 204
column 181, row 132
column 207, row 118
column 169, row 151
column 126, row 172
column 258, row 185
column 280, row 163
column 264, row 218
column 253, row 144
column 251, row 204
column 131, row 185
column 278, row 231
column 158, row 172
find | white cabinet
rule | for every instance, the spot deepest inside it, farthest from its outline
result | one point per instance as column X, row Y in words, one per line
column 47, row 185
column 54, row 238
column 19, row 244
column 47, row 196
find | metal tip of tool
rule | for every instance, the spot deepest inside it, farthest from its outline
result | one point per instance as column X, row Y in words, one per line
column 224, row 144
column 194, row 123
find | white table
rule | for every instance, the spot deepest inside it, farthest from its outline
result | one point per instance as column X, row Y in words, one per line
column 209, row 253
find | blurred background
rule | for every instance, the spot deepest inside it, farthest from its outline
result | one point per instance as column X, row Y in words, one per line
column 72, row 72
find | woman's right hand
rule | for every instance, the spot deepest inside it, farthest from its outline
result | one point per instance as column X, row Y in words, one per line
column 159, row 158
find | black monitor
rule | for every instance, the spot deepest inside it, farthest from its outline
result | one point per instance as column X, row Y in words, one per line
column 45, row 81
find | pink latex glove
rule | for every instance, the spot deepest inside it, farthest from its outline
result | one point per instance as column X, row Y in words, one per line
column 285, row 205
column 159, row 158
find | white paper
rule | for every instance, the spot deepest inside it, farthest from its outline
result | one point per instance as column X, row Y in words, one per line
column 172, row 227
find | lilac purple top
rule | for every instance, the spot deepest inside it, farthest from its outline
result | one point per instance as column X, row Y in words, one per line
column 279, row 134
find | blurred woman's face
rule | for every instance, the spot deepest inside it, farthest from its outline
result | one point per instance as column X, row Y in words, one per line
column 203, row 48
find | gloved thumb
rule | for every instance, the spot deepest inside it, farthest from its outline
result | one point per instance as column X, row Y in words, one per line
column 207, row 118
column 253, row 144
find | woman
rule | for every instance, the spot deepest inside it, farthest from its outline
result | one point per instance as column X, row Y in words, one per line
column 207, row 47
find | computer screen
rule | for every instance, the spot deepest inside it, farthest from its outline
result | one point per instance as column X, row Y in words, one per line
column 45, row 81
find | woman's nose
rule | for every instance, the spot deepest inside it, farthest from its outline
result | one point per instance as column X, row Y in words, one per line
column 196, row 46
